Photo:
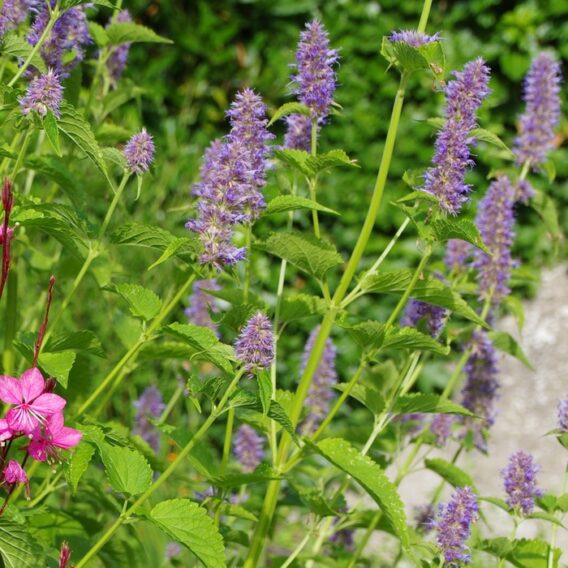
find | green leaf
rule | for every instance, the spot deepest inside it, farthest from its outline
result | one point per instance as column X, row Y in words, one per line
column 521, row 553
column 143, row 303
column 490, row 138
column 78, row 463
column 372, row 478
column 19, row 48
column 58, row 365
column 301, row 306
column 550, row 170
column 98, row 34
column 85, row 341
column 428, row 57
column 52, row 132
column 129, row 32
column 66, row 4
column 367, row 396
column 331, row 159
column 497, row 502
column 171, row 250
column 189, row 524
column 204, row 344
column 506, row 343
column 264, row 390
column 78, row 130
column 546, row 517
column 429, row 290
column 515, row 306
column 127, row 470
column 314, row 256
column 287, row 109
column 450, row 472
column 463, row 229
column 315, row 500
column 294, row 158
column 283, row 203
column 17, row 547
column 115, row 157
column 546, row 209
column 428, row 403
column 262, row 473
column 369, row 335
column 237, row 511
column 411, row 338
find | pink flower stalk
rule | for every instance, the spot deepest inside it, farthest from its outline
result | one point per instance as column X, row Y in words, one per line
column 5, row 232
column 31, row 404
column 46, row 444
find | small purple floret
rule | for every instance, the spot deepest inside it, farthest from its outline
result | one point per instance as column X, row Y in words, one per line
column 150, row 405
column 464, row 95
column 43, row 94
column 255, row 345
column 116, row 63
column 563, row 415
column 519, row 479
column 524, row 191
column 249, row 448
column 433, row 317
column 320, row 393
column 315, row 77
column 413, row 38
column 139, row 152
column 495, row 220
column 542, row 113
column 454, row 526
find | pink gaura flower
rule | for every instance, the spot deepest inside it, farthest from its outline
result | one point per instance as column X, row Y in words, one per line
column 5, row 430
column 14, row 473
column 45, row 444
column 32, row 405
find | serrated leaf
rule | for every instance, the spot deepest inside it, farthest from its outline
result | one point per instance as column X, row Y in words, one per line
column 295, row 159
column 369, row 335
column 115, row 157
column 428, row 57
column 170, row 251
column 78, row 130
column 264, row 390
column 262, row 473
column 204, row 344
column 450, row 472
column 463, row 229
column 301, row 306
column 331, row 159
column 372, row 478
column 189, row 524
column 98, row 34
column 84, row 340
column 523, row 553
column 312, row 255
column 52, row 132
column 129, row 32
column 17, row 547
column 238, row 511
column 58, row 365
column 429, row 290
column 367, row 396
column 78, row 464
column 143, row 303
column 550, row 170
column 19, row 48
column 428, row 403
column 506, row 342
column 491, row 138
column 314, row 500
column 283, row 203
column 411, row 338
column 289, row 108
column 66, row 4
column 127, row 470
column 546, row 517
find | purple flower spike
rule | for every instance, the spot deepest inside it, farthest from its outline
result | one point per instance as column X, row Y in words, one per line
column 432, row 316
column 320, row 393
column 441, row 427
column 201, row 304
column 542, row 113
column 255, row 345
column 116, row 63
column 14, row 12
column 139, row 152
column 315, row 76
column 563, row 415
column 454, row 526
column 464, row 95
column 44, row 94
column 524, row 191
column 519, row 479
column 457, row 255
column 413, row 38
column 299, row 132
column 480, row 391
column 149, row 405
column 248, row 448
column 65, row 47
column 495, row 221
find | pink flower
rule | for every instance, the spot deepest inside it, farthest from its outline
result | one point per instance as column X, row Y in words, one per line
column 5, row 430
column 31, row 403
column 45, row 445
column 13, row 473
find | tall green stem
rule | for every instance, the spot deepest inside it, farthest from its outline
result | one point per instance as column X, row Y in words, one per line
column 164, row 477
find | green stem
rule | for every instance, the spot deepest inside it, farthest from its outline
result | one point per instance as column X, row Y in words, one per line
column 550, row 560
column 51, row 22
column 156, row 323
column 248, row 238
column 164, row 477
column 296, row 551
column 365, row 540
column 171, row 404
column 228, row 436
column 21, row 154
